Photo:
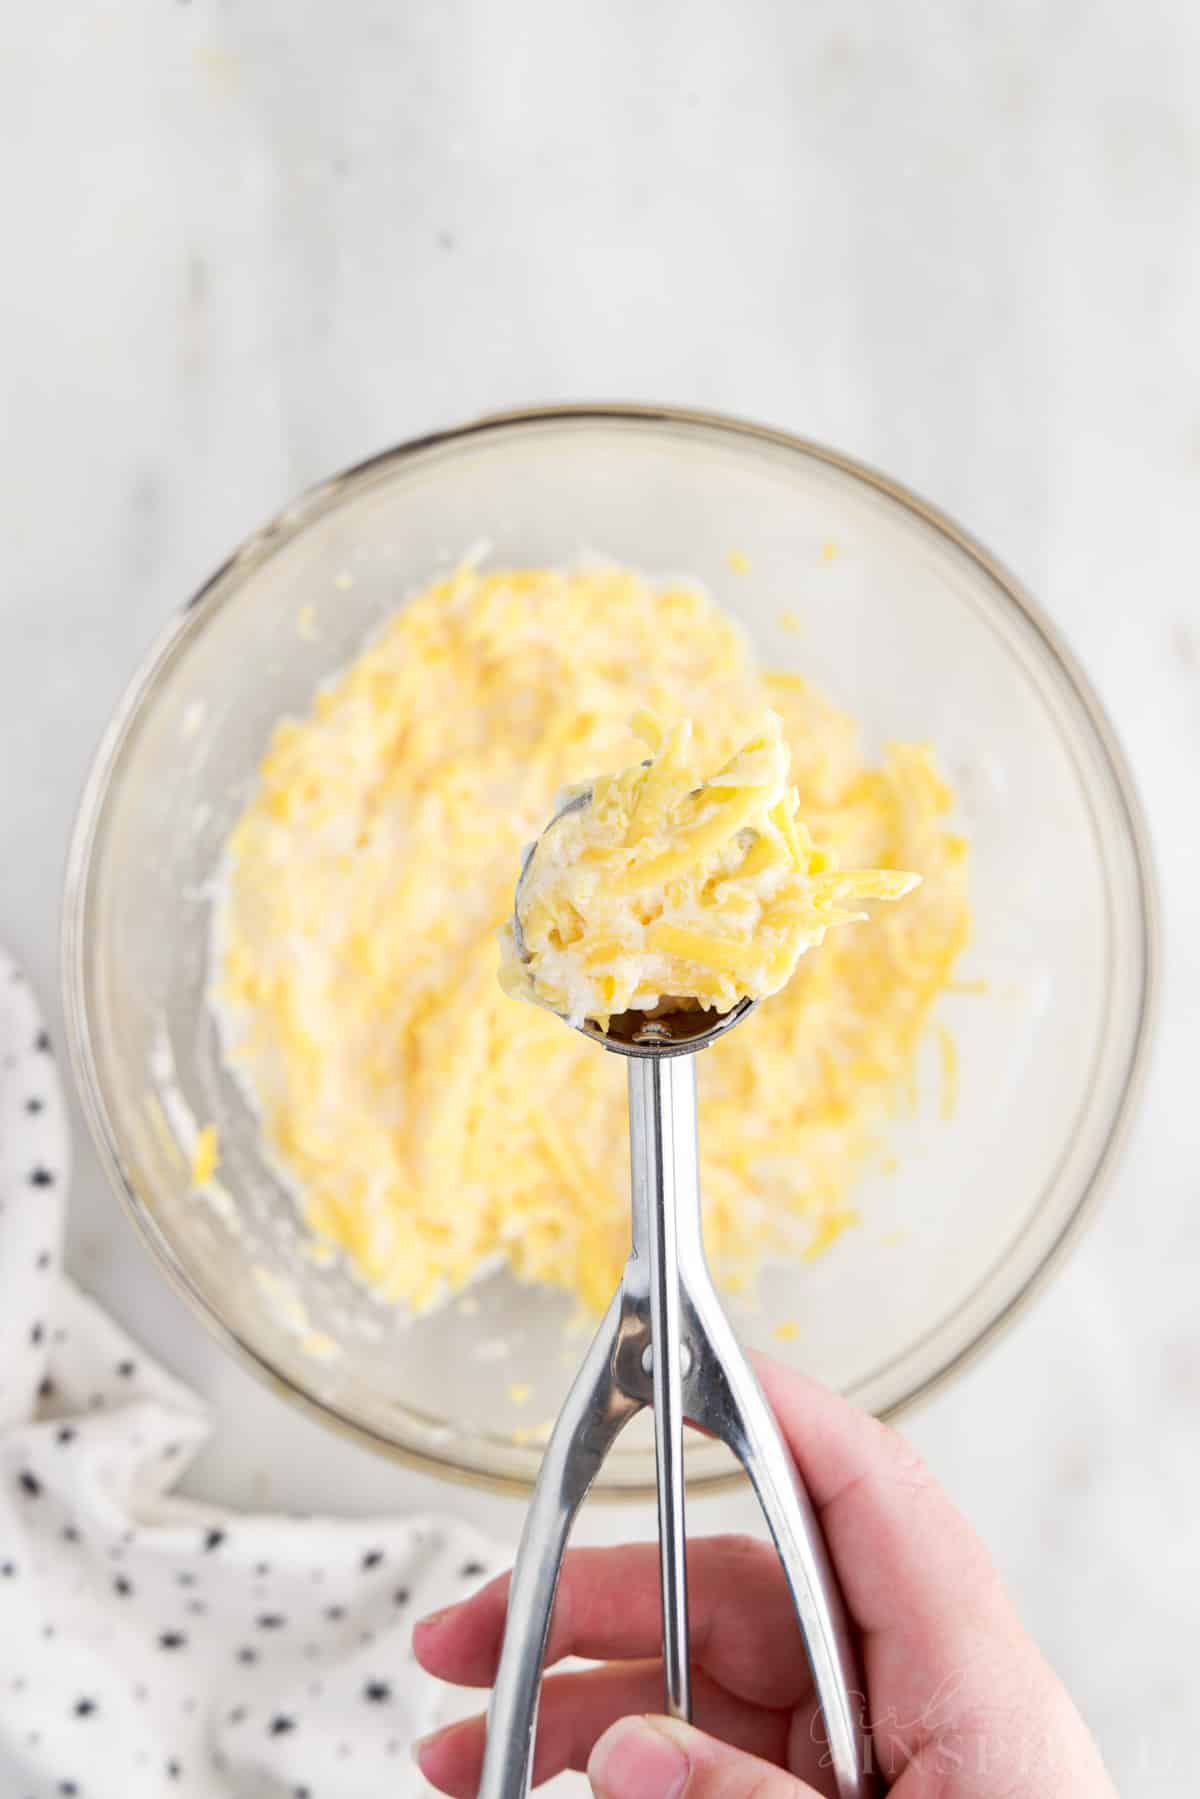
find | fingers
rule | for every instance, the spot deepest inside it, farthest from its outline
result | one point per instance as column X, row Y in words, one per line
column 658, row 1758
column 940, row 1639
column 576, row 1709
column 743, row 1628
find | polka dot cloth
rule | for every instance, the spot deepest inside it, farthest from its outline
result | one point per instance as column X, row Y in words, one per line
column 149, row 1645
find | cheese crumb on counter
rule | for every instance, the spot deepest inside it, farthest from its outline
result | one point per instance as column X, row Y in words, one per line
column 676, row 880
column 432, row 1128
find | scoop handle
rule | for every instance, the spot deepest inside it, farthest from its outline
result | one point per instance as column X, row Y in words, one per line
column 662, row 1134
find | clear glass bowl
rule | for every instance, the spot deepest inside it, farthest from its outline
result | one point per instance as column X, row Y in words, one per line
column 911, row 626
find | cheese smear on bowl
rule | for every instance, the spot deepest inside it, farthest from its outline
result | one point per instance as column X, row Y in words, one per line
column 431, row 1127
column 670, row 881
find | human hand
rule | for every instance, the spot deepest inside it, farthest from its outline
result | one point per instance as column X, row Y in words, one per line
column 959, row 1704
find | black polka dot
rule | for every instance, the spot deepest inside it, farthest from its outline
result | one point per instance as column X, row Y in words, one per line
column 237, row 1715
column 270, row 1621
column 70, row 1534
column 173, row 1770
column 280, row 1725
column 122, row 1587
column 261, row 1568
column 186, row 1578
column 301, row 1793
column 84, row 1708
column 34, row 1106
column 213, row 1539
column 126, row 1369
column 8, row 1570
column 172, row 1639
column 44, row 1260
column 335, row 1613
column 67, row 1788
column 377, row 1692
column 36, row 1333
column 366, row 1636
column 41, row 1043
column 46, row 1388
column 172, row 1449
column 65, row 1433
column 40, row 1177
column 49, row 1632
column 29, row 1483
column 246, row 1656
column 471, row 1570
column 401, row 1596
column 372, row 1558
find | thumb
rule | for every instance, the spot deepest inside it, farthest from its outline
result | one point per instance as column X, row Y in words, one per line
column 660, row 1758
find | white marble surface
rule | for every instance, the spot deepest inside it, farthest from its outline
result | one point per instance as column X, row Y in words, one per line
column 248, row 243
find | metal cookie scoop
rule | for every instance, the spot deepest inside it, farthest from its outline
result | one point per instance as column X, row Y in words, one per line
column 634, row 1033
column 666, row 1297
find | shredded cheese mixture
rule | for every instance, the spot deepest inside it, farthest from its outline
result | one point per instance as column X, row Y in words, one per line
column 431, row 1126
column 672, row 882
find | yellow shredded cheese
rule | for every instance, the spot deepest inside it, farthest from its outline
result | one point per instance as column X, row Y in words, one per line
column 678, row 881
column 432, row 1126
column 206, row 1156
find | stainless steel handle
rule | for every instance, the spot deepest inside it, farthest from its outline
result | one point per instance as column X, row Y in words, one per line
column 595, row 1413
column 667, row 1298
column 662, row 1133
column 723, row 1396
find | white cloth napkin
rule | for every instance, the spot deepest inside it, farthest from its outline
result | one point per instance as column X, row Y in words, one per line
column 149, row 1645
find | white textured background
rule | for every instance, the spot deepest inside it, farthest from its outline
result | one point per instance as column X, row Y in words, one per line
column 248, row 241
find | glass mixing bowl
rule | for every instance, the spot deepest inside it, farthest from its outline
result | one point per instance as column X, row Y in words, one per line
column 910, row 626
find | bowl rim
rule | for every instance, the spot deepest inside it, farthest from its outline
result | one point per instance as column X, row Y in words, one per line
column 282, row 527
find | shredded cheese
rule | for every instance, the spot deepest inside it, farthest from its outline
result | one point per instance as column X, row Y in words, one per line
column 206, row 1156
column 432, row 1127
column 670, row 882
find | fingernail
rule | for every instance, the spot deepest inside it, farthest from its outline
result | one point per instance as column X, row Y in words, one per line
column 418, row 1747
column 435, row 1618
column 633, row 1760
